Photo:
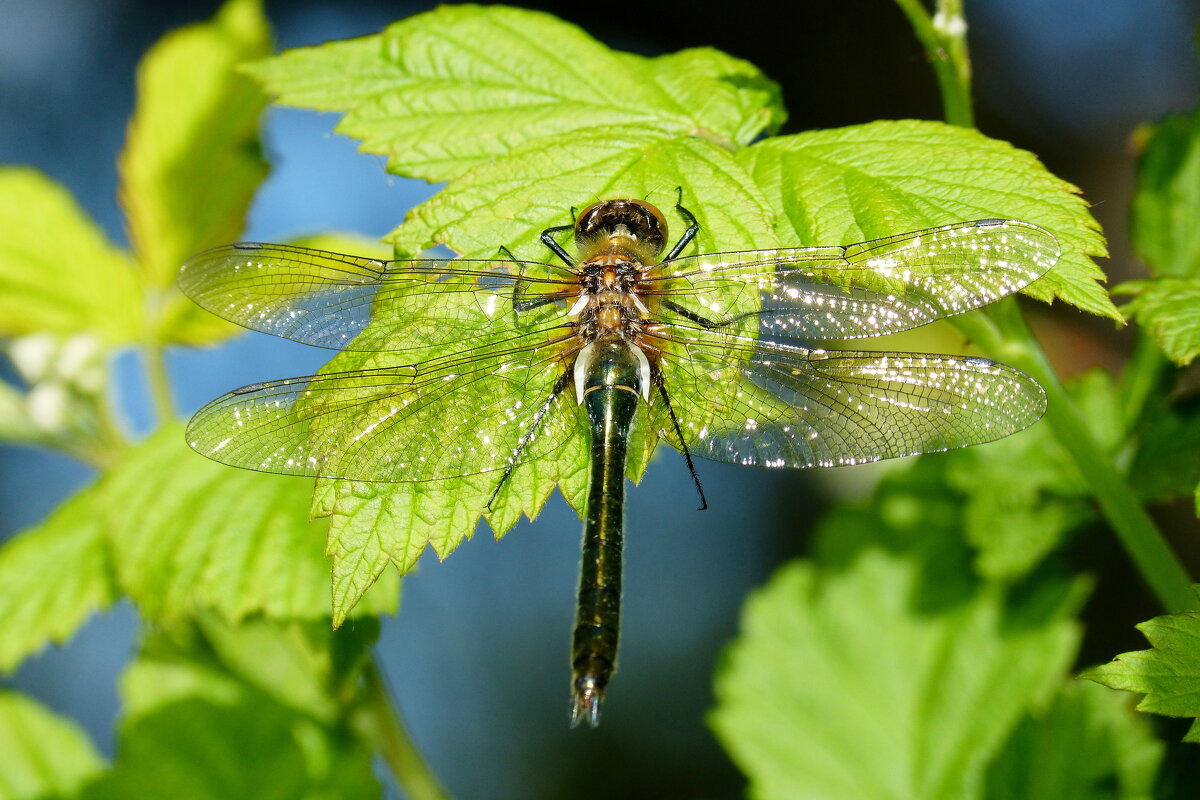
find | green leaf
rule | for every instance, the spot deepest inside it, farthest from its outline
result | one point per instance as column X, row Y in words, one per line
column 54, row 575
column 190, row 534
column 1022, row 495
column 1166, row 464
column 58, row 273
column 842, row 684
column 192, row 161
column 1169, row 309
column 44, row 755
column 430, row 93
column 374, row 524
column 511, row 200
column 1166, row 205
column 1089, row 745
column 302, row 665
column 1168, row 674
column 194, row 730
column 851, row 184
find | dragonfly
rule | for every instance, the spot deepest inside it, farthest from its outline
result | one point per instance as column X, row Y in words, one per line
column 478, row 366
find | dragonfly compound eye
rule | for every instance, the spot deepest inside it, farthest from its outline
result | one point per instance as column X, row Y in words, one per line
column 636, row 219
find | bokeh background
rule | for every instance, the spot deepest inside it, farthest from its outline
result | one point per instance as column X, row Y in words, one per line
column 478, row 656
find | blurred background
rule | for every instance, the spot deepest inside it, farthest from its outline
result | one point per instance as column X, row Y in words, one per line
column 478, row 656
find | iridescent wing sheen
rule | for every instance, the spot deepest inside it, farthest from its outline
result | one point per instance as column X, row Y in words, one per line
column 866, row 289
column 460, row 414
column 776, row 405
column 327, row 299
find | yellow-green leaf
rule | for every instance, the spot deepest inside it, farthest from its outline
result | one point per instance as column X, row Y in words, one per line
column 192, row 160
column 42, row 754
column 58, row 272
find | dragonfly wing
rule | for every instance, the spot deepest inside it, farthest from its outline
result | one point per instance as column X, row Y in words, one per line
column 354, row 303
column 779, row 406
column 440, row 419
column 867, row 289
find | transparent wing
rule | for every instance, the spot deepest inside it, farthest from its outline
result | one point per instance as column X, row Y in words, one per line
column 780, row 406
column 327, row 299
column 451, row 416
column 867, row 289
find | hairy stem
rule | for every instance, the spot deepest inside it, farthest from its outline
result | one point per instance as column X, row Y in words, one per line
column 379, row 720
column 944, row 37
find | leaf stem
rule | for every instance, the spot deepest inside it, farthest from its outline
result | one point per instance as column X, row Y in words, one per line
column 1006, row 337
column 380, row 720
column 944, row 37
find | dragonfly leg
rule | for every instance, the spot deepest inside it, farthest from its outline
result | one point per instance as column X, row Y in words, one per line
column 549, row 240
column 687, row 455
column 688, row 314
column 562, row 384
column 689, row 234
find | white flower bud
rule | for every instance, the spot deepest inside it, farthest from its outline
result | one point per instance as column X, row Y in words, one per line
column 32, row 355
column 47, row 406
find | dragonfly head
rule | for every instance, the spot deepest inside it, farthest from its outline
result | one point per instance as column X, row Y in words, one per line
column 635, row 220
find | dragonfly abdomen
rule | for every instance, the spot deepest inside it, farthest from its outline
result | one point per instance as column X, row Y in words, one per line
column 609, row 375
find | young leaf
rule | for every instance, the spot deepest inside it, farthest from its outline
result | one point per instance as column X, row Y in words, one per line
column 511, row 200
column 850, row 184
column 1169, row 309
column 1089, row 745
column 58, row 273
column 842, row 685
column 296, row 663
column 1022, row 495
column 1162, row 221
column 1164, row 231
column 1168, row 675
column 44, row 755
column 191, row 162
column 212, row 737
column 54, row 575
column 1166, row 465
column 430, row 93
column 190, row 534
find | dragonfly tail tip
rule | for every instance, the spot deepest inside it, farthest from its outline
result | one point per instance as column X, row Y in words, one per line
column 585, row 703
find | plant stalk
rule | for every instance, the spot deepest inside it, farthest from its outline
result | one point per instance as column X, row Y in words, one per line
column 944, row 37
column 380, row 721
column 158, row 382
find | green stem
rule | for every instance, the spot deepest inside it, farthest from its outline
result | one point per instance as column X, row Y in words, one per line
column 160, row 385
column 1012, row 342
column 380, row 721
column 1141, row 376
column 944, row 37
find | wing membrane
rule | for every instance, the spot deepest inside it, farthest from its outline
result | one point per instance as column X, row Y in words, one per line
column 867, row 289
column 327, row 299
column 779, row 406
column 447, row 417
